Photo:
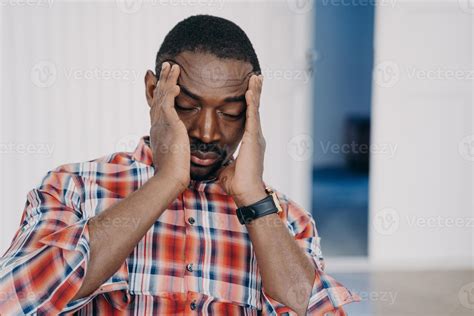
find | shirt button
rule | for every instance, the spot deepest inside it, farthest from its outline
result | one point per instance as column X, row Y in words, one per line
column 189, row 267
column 193, row 305
column 191, row 220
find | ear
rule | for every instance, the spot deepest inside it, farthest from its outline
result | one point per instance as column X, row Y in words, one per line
column 150, row 85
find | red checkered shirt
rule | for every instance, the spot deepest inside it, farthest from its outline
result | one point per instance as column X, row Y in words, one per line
column 196, row 258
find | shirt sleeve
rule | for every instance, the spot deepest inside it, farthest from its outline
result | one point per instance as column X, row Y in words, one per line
column 45, row 265
column 327, row 294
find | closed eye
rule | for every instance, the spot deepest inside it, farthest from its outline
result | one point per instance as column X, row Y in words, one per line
column 232, row 115
column 184, row 109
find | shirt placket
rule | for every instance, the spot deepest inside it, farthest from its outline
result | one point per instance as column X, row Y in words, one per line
column 191, row 253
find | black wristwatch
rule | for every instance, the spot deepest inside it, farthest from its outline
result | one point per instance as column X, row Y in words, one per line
column 265, row 206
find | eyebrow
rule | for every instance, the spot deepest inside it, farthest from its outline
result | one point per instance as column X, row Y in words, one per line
column 194, row 96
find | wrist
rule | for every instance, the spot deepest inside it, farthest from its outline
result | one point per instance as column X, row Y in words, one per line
column 250, row 197
column 172, row 185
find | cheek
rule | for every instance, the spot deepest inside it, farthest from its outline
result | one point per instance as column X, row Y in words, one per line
column 232, row 133
column 187, row 119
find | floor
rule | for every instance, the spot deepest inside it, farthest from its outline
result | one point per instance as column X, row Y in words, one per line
column 398, row 293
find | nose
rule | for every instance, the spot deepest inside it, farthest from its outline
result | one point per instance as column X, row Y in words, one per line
column 205, row 127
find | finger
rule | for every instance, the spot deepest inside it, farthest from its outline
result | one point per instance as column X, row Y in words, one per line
column 164, row 67
column 255, row 85
column 159, row 92
column 174, row 74
column 172, row 68
column 252, row 124
column 172, row 89
column 252, row 120
column 259, row 89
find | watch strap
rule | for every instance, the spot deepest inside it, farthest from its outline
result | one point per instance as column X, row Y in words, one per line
column 258, row 209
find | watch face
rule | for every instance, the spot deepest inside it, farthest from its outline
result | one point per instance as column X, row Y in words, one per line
column 275, row 198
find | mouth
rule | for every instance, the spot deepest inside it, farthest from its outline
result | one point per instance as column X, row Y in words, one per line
column 201, row 159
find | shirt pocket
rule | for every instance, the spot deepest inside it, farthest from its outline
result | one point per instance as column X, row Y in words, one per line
column 228, row 270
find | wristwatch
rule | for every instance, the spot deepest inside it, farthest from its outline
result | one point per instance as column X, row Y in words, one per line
column 265, row 206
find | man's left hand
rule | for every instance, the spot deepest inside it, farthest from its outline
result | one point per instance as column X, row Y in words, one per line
column 242, row 178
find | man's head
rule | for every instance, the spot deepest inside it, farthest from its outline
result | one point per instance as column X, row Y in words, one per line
column 216, row 59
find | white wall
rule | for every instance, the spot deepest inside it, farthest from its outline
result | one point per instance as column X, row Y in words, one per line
column 421, row 204
column 82, row 117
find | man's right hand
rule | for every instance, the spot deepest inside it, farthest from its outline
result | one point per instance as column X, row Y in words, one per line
column 168, row 135
column 111, row 244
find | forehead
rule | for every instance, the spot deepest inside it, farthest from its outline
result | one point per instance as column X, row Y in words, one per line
column 213, row 78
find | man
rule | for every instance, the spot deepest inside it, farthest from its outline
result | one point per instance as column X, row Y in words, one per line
column 178, row 226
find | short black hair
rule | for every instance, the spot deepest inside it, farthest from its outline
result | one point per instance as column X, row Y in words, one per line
column 207, row 34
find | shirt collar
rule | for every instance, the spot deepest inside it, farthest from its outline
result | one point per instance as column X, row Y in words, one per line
column 144, row 154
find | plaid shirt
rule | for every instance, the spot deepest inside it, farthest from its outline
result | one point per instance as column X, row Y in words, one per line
column 196, row 258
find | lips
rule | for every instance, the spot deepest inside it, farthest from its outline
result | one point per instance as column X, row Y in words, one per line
column 204, row 159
